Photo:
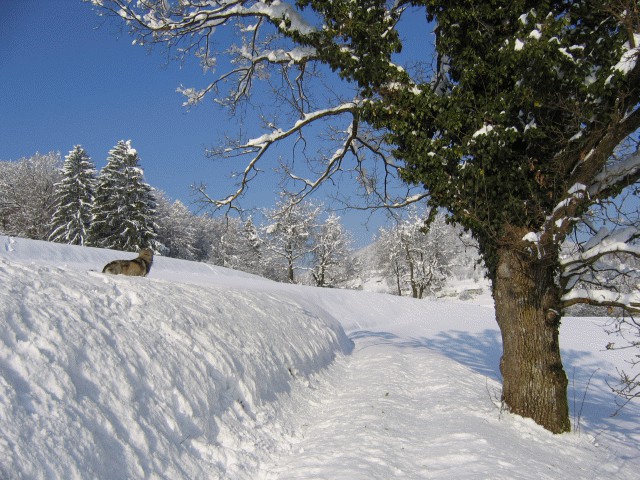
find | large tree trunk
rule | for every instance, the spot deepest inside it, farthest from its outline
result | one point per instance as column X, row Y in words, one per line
column 527, row 310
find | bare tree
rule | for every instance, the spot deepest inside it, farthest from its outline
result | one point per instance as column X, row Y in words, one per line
column 419, row 256
column 269, row 58
column 28, row 195
column 331, row 252
column 602, row 271
column 289, row 233
column 389, row 256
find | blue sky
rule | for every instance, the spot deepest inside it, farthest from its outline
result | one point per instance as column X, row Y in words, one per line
column 69, row 77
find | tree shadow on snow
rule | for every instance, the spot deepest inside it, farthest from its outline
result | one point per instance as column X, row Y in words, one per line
column 481, row 352
column 591, row 402
column 593, row 405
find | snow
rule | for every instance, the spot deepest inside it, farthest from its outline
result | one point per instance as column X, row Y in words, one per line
column 265, row 140
column 297, row 54
column 603, row 243
column 531, row 125
column 601, row 296
column 611, row 174
column 577, row 136
column 532, row 237
column 130, row 150
column 577, row 189
column 576, row 192
column 486, row 128
column 566, row 53
column 280, row 10
column 629, row 57
column 203, row 372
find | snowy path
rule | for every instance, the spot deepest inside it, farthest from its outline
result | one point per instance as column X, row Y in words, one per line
column 396, row 409
column 374, row 415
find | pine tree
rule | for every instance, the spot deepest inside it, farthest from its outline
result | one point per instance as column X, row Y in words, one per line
column 74, row 193
column 124, row 207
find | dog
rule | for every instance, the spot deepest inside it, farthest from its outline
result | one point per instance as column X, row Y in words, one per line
column 137, row 267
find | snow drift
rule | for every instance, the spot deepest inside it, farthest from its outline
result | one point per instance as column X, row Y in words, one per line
column 119, row 377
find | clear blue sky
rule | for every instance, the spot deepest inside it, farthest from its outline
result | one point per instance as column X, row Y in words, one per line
column 69, row 77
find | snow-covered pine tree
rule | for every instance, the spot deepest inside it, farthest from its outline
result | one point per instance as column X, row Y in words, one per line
column 250, row 252
column 206, row 237
column 230, row 245
column 74, row 199
column 124, row 206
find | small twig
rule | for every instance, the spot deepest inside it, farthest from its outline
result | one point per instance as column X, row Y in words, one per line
column 584, row 396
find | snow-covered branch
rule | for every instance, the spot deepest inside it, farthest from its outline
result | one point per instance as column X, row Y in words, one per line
column 275, row 44
column 629, row 302
column 191, row 27
column 258, row 147
column 569, row 211
column 604, row 243
column 601, row 270
column 166, row 20
column 625, row 172
column 601, row 267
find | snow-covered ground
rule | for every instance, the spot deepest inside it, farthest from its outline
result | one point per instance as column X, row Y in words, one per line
column 199, row 372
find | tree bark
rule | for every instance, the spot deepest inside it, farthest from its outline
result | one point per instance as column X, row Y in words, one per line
column 528, row 309
column 289, row 256
column 396, row 270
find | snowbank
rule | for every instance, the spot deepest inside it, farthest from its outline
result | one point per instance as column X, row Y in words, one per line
column 127, row 377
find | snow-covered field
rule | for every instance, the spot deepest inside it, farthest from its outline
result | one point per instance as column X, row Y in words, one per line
column 199, row 372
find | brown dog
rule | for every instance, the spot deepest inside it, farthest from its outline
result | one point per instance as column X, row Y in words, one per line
column 137, row 267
